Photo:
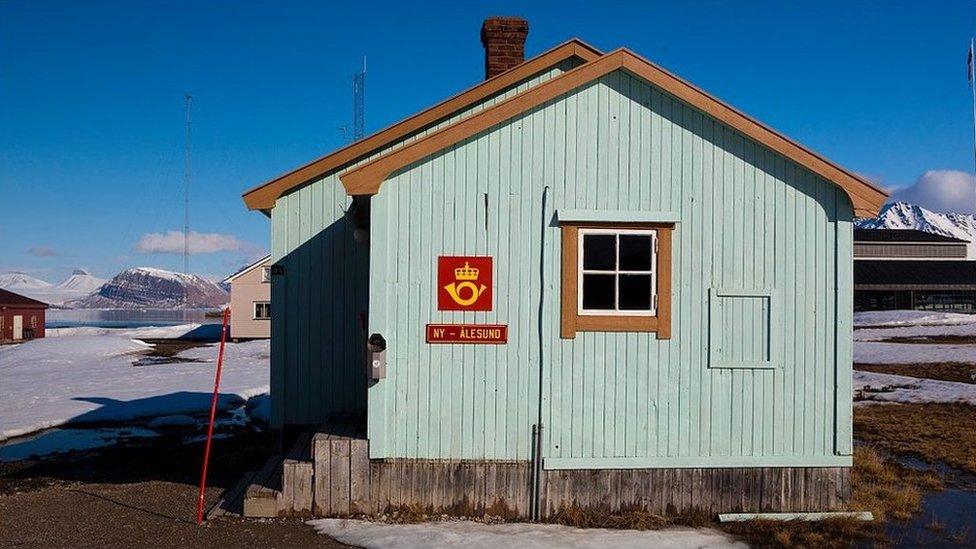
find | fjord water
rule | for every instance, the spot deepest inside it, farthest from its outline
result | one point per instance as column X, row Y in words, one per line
column 122, row 318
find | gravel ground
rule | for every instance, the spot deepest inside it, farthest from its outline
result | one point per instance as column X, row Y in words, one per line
column 141, row 494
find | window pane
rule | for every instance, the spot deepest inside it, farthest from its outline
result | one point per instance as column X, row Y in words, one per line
column 599, row 252
column 599, row 291
column 635, row 252
column 635, row 292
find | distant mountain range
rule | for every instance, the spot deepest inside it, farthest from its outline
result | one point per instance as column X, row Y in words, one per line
column 78, row 285
column 148, row 288
column 138, row 288
column 902, row 215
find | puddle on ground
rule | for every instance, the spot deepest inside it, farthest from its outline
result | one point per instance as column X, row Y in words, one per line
column 948, row 517
column 57, row 440
column 153, row 360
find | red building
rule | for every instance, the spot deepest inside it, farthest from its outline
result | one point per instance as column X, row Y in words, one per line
column 20, row 317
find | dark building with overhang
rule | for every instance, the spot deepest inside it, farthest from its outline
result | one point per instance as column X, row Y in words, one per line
column 20, row 317
column 912, row 269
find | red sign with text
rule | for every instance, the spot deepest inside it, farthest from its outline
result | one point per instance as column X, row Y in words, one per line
column 467, row 333
column 464, row 283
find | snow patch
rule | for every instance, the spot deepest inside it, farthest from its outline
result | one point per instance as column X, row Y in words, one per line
column 90, row 379
column 879, row 334
column 477, row 535
column 203, row 332
column 915, row 390
column 910, row 318
column 867, row 352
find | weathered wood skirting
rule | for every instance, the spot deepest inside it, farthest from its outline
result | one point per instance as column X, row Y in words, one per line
column 460, row 488
column 473, row 488
column 329, row 473
column 765, row 489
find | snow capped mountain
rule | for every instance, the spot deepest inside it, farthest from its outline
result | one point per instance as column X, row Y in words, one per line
column 76, row 286
column 81, row 281
column 902, row 215
column 21, row 281
column 149, row 288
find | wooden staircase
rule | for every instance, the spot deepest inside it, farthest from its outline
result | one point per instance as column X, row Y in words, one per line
column 325, row 472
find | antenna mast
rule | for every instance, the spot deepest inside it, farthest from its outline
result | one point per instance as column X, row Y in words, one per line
column 186, row 186
column 359, row 103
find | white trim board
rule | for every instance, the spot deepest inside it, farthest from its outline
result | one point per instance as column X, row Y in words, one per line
column 703, row 462
column 615, row 216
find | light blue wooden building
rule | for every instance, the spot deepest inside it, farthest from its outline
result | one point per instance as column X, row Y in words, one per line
column 671, row 281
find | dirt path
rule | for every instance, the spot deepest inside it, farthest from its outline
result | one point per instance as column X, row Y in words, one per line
column 139, row 495
column 144, row 514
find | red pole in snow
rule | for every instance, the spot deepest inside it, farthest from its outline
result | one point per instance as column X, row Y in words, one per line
column 213, row 416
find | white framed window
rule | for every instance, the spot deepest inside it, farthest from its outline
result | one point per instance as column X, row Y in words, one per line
column 262, row 310
column 617, row 273
column 265, row 274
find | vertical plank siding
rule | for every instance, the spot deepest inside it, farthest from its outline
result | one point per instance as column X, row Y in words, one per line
column 748, row 219
column 316, row 337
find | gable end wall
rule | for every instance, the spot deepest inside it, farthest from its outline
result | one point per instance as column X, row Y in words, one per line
column 748, row 219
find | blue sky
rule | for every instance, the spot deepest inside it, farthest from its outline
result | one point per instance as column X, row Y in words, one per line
column 91, row 99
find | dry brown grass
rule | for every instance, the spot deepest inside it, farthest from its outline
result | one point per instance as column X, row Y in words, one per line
column 878, row 484
column 887, row 489
column 936, row 433
column 946, row 371
column 633, row 519
column 830, row 533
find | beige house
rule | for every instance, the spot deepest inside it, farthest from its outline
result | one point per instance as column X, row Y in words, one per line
column 250, row 301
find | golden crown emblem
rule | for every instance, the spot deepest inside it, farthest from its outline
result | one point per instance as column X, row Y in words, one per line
column 466, row 272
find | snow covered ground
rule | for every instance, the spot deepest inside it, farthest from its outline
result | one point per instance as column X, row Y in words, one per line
column 869, row 348
column 198, row 331
column 911, row 353
column 477, row 535
column 913, row 389
column 90, row 378
column 910, row 318
column 879, row 334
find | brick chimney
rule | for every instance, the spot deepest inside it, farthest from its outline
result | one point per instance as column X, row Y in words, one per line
column 504, row 42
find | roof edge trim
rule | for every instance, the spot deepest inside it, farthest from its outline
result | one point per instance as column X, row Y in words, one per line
column 366, row 179
column 263, row 196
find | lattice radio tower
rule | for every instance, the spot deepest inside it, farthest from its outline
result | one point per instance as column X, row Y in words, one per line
column 359, row 103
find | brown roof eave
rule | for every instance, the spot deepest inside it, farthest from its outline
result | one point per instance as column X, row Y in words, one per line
column 366, row 179
column 263, row 196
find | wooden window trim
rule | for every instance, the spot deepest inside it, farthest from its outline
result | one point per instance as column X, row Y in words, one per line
column 573, row 322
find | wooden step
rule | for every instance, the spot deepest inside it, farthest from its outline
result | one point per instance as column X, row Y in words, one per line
column 296, row 482
column 341, row 462
column 231, row 502
column 261, row 498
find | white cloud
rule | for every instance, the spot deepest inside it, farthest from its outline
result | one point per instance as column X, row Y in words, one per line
column 199, row 243
column 941, row 191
